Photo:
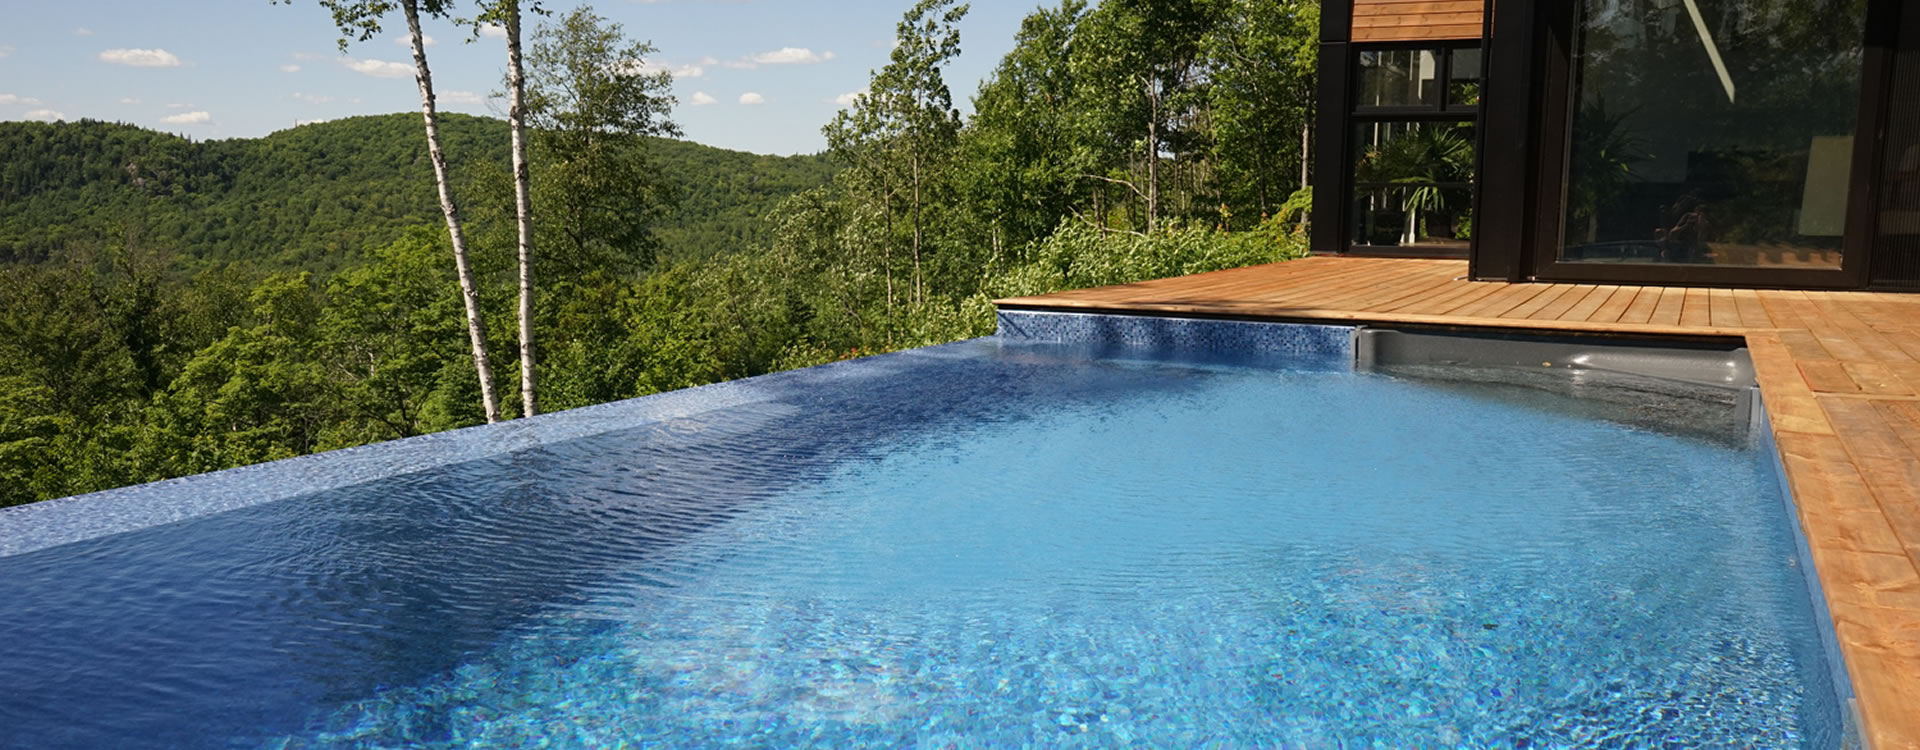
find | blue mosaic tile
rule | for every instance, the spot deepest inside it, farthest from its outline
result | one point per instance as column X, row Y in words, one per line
column 1315, row 346
column 50, row 523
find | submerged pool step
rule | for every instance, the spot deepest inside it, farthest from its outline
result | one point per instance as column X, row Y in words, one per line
column 1703, row 364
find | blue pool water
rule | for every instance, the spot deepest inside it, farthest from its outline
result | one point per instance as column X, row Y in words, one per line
column 987, row 544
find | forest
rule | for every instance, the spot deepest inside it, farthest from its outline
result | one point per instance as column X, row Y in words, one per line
column 170, row 307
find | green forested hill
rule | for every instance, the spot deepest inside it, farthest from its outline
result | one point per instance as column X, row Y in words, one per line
column 319, row 196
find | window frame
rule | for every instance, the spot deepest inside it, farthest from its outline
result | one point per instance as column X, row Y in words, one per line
column 1444, row 110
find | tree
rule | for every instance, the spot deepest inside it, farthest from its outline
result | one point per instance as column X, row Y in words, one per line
column 1018, row 157
column 1262, row 55
column 594, row 102
column 1140, row 76
column 904, row 130
column 360, row 20
column 507, row 14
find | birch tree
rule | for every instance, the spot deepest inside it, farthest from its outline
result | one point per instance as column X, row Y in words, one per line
column 359, row 20
column 506, row 13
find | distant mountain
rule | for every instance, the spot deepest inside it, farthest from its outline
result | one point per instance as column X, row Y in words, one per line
column 317, row 196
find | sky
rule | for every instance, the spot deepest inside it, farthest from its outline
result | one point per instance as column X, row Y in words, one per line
column 752, row 75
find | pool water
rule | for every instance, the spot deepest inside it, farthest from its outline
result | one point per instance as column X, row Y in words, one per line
column 988, row 544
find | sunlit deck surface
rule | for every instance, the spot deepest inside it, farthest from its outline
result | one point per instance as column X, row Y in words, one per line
column 1839, row 372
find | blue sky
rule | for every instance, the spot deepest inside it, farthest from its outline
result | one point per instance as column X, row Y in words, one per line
column 754, row 75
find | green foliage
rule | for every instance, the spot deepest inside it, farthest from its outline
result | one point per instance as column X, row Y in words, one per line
column 1078, row 256
column 318, row 197
column 590, row 105
column 170, row 306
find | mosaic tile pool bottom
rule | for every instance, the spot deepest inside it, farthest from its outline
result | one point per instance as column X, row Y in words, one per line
column 989, row 544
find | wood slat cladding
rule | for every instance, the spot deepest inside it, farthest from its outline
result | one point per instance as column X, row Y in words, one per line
column 1417, row 20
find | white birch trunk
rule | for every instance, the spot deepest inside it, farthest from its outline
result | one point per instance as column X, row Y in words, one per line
column 522, row 204
column 476, row 326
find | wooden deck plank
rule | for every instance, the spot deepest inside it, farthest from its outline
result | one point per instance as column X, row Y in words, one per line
column 1644, row 302
column 1667, row 311
column 1565, row 302
column 1615, row 306
column 1500, row 303
column 1839, row 373
column 1693, row 311
column 1531, row 310
column 1752, row 313
column 1721, row 309
column 1591, row 304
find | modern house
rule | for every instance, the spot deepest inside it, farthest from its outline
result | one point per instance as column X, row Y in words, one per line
column 1728, row 143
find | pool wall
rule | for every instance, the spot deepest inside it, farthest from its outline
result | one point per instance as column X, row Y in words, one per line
column 1306, row 346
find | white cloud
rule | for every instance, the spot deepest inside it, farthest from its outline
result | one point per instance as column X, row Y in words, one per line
column 129, row 100
column 12, row 99
column 83, row 31
column 652, row 67
column 312, row 98
column 289, row 68
column 406, row 42
column 847, row 99
column 177, row 105
column 47, row 115
column 379, row 68
column 141, row 58
column 460, row 97
column 752, row 98
column 790, row 56
column 298, row 123
column 187, row 118
column 493, row 31
column 6, row 50
column 702, row 98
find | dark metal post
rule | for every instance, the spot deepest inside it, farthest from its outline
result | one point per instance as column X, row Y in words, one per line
column 1509, row 138
column 1332, row 174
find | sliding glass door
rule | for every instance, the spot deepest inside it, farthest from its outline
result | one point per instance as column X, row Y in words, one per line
column 1710, row 134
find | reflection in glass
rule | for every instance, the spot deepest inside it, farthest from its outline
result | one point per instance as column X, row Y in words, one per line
column 1413, row 183
column 1399, row 78
column 1722, row 136
column 1463, row 80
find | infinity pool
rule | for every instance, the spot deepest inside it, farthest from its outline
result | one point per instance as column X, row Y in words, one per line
column 986, row 544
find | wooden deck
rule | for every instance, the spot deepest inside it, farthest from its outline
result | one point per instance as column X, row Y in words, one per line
column 1839, row 371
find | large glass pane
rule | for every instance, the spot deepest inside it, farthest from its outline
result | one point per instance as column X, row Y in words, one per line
column 1896, row 251
column 1713, row 131
column 1463, row 80
column 1413, row 184
column 1400, row 78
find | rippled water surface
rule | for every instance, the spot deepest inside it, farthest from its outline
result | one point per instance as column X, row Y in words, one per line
column 979, row 545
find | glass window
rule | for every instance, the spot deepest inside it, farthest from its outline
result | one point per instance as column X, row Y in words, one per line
column 1400, row 78
column 1463, row 80
column 1712, row 132
column 1413, row 183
